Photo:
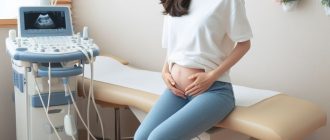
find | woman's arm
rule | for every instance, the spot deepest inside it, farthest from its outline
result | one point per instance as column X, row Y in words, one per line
column 238, row 52
column 204, row 80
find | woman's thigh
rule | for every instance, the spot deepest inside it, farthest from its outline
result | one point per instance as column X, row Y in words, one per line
column 167, row 105
column 200, row 114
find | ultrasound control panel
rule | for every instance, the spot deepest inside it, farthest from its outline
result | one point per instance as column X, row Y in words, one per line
column 51, row 45
column 50, row 48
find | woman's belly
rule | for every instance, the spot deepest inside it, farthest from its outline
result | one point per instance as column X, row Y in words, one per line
column 180, row 75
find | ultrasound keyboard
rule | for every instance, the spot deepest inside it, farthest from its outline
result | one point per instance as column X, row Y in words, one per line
column 52, row 44
column 50, row 48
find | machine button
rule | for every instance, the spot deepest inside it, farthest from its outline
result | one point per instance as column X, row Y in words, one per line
column 22, row 49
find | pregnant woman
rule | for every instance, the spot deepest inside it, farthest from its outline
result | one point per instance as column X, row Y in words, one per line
column 204, row 39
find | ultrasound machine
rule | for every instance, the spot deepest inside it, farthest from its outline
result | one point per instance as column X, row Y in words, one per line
column 46, row 59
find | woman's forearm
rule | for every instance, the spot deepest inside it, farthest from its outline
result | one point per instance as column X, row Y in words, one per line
column 238, row 52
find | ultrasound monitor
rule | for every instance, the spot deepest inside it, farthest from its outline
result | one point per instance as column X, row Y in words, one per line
column 45, row 21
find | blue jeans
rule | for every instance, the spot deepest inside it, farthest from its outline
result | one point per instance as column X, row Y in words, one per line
column 174, row 118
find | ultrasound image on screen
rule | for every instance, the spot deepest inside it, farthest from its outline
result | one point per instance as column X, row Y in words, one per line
column 44, row 20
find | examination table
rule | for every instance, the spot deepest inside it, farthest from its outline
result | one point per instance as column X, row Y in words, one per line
column 280, row 117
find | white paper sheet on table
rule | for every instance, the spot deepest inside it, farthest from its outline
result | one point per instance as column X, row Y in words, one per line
column 111, row 71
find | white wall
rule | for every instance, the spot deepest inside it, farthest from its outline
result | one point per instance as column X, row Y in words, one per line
column 7, row 106
column 127, row 28
column 290, row 51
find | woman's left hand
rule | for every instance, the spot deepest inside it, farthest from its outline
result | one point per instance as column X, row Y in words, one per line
column 202, row 82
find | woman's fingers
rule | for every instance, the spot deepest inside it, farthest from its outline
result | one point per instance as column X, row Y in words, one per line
column 170, row 83
column 193, row 76
column 189, row 87
column 196, row 92
column 178, row 92
column 192, row 90
column 196, row 82
column 180, row 95
column 170, row 78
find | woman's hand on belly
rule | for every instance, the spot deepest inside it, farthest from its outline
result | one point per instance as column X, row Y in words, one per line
column 202, row 82
column 170, row 83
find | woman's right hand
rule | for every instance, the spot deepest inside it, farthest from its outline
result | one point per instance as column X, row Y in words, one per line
column 170, row 83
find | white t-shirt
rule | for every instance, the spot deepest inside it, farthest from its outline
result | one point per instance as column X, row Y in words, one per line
column 206, row 36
